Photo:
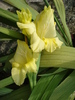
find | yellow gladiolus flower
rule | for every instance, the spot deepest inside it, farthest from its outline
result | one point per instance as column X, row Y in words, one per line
column 22, row 63
column 45, row 29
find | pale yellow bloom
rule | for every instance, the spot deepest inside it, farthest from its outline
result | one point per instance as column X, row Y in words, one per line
column 45, row 29
column 22, row 63
column 42, row 32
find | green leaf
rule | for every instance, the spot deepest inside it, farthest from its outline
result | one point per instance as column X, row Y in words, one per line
column 40, row 87
column 6, row 82
column 63, row 57
column 4, row 58
column 8, row 15
column 4, row 91
column 65, row 89
column 63, row 35
column 4, row 37
column 11, row 33
column 20, row 94
column 59, row 70
column 61, row 11
column 52, row 85
column 19, row 4
column 23, row 1
column 8, row 65
column 45, row 86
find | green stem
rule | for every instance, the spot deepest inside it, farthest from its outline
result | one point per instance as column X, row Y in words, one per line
column 33, row 76
column 46, row 2
column 60, row 27
column 30, row 77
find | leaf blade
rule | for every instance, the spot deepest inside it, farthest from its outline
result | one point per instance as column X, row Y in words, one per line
column 66, row 88
column 11, row 33
column 20, row 94
column 53, row 84
column 63, row 57
column 61, row 11
column 6, row 82
column 8, row 15
column 4, row 91
column 21, row 5
column 42, row 84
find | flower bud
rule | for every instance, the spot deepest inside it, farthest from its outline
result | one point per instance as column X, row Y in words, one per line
column 24, row 16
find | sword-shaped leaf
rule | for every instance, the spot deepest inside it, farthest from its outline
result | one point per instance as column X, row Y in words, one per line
column 45, row 86
column 19, row 94
column 6, row 82
column 65, row 89
column 9, row 15
column 11, row 33
column 61, row 11
column 19, row 4
column 4, row 91
column 63, row 57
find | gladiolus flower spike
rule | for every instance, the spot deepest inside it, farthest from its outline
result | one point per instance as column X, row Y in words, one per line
column 42, row 35
column 41, row 31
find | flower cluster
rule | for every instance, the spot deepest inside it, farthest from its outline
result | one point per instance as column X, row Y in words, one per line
column 42, row 35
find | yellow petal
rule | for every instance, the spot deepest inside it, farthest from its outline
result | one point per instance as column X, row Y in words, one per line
column 52, row 43
column 23, row 53
column 15, row 64
column 24, row 16
column 18, row 75
column 31, row 66
column 27, row 29
column 37, row 44
column 58, row 42
column 45, row 26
